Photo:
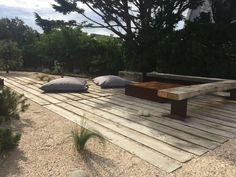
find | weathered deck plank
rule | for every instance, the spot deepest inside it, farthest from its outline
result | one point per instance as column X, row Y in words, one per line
column 113, row 122
column 163, row 142
column 148, row 128
column 151, row 156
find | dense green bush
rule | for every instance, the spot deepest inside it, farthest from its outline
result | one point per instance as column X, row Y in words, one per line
column 10, row 56
column 8, row 139
column 11, row 104
column 80, row 52
column 108, row 56
column 16, row 30
column 199, row 49
column 70, row 47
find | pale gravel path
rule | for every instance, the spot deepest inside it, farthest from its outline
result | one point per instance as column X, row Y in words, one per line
column 45, row 150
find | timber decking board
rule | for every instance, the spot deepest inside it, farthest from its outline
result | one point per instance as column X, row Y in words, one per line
column 173, row 125
column 98, row 117
column 149, row 155
column 195, row 149
column 144, row 106
column 161, row 141
column 198, row 115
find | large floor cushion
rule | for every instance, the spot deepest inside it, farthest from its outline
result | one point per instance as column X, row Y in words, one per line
column 66, row 84
column 111, row 81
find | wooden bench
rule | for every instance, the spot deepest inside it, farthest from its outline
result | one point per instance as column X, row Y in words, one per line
column 148, row 90
column 180, row 78
column 179, row 96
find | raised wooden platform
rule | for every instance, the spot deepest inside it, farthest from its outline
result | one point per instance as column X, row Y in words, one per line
column 148, row 90
column 165, row 143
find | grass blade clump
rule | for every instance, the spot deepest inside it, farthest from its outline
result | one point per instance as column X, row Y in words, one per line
column 82, row 135
column 44, row 77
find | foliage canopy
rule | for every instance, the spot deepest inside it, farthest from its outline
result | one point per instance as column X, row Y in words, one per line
column 131, row 20
column 10, row 56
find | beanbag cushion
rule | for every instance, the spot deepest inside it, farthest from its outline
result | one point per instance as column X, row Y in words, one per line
column 111, row 81
column 66, row 84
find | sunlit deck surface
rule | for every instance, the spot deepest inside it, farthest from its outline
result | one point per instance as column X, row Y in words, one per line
column 164, row 142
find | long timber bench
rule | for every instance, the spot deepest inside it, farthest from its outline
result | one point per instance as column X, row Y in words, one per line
column 180, row 78
column 179, row 96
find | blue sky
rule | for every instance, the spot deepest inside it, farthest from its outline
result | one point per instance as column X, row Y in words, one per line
column 24, row 9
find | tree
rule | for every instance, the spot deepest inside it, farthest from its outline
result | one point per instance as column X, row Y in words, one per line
column 49, row 25
column 224, row 11
column 202, row 49
column 79, row 51
column 16, row 30
column 68, row 46
column 10, row 56
column 131, row 20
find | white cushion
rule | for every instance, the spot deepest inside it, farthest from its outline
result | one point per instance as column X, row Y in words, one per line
column 111, row 81
column 66, row 84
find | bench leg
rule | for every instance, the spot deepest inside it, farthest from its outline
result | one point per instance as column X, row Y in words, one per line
column 233, row 94
column 1, row 83
column 179, row 109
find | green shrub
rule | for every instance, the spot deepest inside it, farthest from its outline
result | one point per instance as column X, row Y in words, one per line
column 44, row 77
column 200, row 49
column 10, row 56
column 82, row 135
column 11, row 104
column 58, row 68
column 8, row 139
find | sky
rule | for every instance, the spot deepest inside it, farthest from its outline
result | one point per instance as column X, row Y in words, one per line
column 24, row 9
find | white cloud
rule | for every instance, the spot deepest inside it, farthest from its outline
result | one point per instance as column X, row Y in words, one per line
column 24, row 9
column 27, row 4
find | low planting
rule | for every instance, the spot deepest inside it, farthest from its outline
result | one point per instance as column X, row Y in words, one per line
column 82, row 135
column 8, row 139
column 11, row 105
column 45, row 77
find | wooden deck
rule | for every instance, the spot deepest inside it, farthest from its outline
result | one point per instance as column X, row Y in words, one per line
column 166, row 143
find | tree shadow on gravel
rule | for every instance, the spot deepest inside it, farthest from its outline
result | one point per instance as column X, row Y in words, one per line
column 9, row 162
column 95, row 163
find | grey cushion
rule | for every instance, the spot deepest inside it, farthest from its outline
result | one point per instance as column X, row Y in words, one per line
column 66, row 84
column 111, row 81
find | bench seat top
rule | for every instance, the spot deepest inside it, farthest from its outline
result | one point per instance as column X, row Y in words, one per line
column 185, row 92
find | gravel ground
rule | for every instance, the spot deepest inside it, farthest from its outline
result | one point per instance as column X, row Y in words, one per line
column 46, row 150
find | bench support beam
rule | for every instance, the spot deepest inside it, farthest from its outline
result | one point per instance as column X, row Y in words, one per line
column 179, row 109
column 233, row 94
column 1, row 83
